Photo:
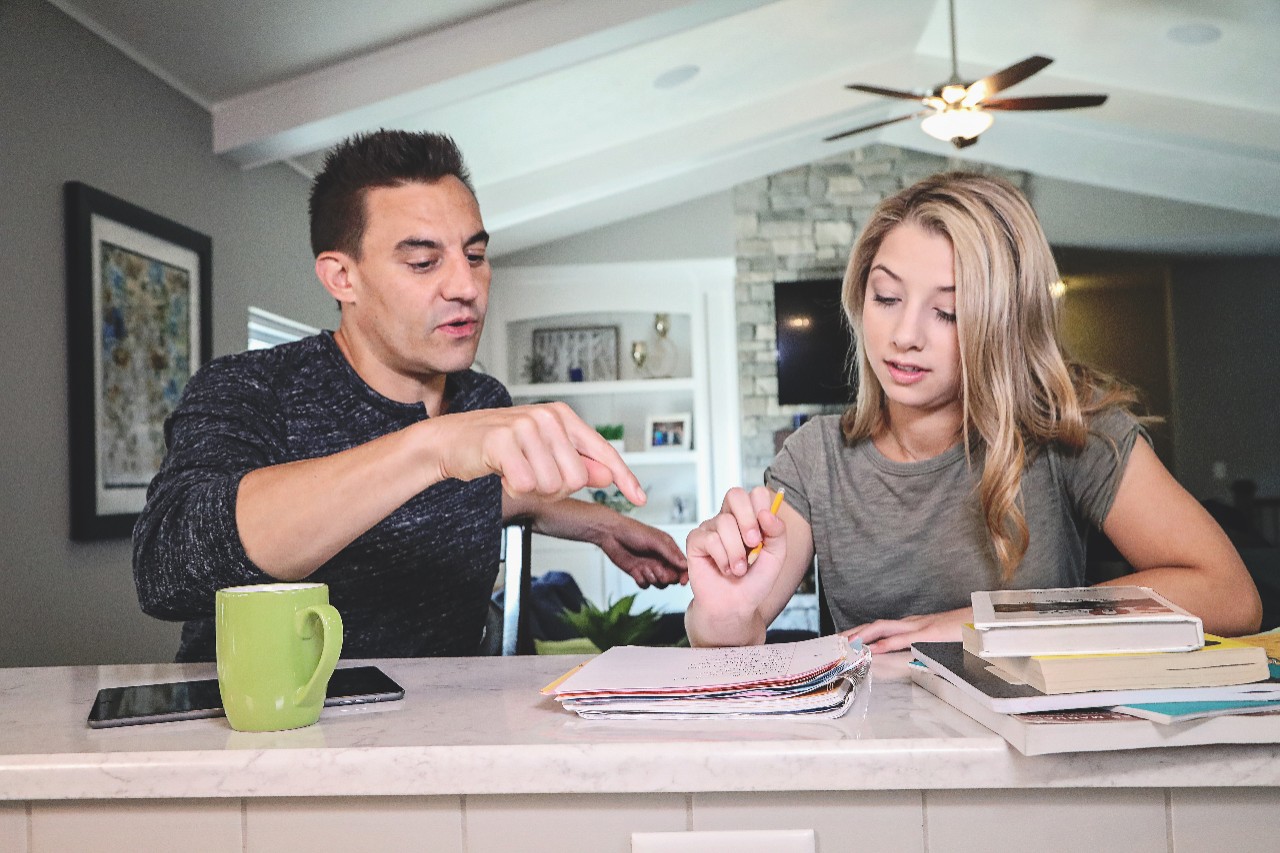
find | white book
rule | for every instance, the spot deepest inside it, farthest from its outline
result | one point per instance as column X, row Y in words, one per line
column 1222, row 661
column 1081, row 620
column 1097, row 729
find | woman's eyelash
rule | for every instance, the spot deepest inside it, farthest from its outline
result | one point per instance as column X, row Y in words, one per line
column 944, row 316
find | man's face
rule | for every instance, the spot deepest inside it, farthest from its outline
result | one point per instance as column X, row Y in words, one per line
column 420, row 288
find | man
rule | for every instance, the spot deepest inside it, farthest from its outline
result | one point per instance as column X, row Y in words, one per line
column 373, row 459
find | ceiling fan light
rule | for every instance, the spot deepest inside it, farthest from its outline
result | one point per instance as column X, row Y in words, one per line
column 951, row 124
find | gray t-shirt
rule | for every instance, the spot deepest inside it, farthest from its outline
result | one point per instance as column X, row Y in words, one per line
column 894, row 539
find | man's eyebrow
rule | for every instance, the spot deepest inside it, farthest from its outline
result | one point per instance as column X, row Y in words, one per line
column 417, row 243
column 408, row 243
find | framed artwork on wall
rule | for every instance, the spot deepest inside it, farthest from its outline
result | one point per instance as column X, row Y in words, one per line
column 668, row 432
column 139, row 323
column 575, row 354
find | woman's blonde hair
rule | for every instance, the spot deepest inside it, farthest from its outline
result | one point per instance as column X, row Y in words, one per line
column 1018, row 389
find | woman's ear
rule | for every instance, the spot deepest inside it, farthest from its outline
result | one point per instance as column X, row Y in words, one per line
column 335, row 271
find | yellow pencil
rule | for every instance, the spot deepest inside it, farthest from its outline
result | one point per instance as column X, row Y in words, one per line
column 773, row 510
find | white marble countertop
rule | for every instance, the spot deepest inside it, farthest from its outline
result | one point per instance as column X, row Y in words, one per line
column 480, row 726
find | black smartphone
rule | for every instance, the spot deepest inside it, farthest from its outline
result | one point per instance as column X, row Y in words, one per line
column 191, row 700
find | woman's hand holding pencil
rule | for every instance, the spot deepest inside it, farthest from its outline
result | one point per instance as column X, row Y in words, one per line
column 773, row 510
column 734, row 540
column 737, row 560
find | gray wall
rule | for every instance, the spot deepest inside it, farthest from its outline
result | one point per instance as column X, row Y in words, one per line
column 74, row 108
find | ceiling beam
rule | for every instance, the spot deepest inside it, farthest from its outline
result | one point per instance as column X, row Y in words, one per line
column 316, row 110
column 1131, row 151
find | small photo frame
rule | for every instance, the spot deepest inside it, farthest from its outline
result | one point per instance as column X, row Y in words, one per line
column 575, row 354
column 668, row 432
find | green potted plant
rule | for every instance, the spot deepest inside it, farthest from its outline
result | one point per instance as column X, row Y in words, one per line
column 613, row 626
column 612, row 433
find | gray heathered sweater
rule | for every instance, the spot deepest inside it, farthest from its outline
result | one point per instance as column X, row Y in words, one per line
column 416, row 584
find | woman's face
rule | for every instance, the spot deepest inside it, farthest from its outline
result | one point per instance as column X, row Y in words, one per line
column 909, row 321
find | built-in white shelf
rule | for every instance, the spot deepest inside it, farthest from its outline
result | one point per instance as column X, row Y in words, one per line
column 559, row 390
column 697, row 350
column 646, row 458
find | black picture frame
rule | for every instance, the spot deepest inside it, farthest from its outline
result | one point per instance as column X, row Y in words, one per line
column 139, row 324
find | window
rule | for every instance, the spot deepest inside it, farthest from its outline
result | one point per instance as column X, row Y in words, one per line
column 267, row 329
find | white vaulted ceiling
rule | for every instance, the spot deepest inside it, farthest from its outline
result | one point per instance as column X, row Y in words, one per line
column 555, row 102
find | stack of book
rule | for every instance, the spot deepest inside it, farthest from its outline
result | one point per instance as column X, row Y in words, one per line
column 818, row 677
column 1101, row 668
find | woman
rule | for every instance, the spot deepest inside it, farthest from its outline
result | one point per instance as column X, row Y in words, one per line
column 975, row 456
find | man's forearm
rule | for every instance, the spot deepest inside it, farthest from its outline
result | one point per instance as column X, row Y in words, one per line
column 564, row 518
column 294, row 517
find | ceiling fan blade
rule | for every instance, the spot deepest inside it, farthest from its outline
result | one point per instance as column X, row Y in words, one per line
column 1004, row 78
column 866, row 127
column 887, row 93
column 1045, row 102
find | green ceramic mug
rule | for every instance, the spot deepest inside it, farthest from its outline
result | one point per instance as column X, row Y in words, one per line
column 277, row 645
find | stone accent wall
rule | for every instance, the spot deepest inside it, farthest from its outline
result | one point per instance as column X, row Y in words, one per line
column 798, row 225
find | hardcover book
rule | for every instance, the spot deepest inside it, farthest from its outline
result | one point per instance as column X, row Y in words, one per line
column 1097, row 729
column 986, row 684
column 1080, row 620
column 1220, row 662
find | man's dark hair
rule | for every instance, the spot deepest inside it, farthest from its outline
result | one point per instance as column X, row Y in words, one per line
column 385, row 158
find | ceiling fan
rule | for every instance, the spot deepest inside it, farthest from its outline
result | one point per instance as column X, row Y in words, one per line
column 958, row 111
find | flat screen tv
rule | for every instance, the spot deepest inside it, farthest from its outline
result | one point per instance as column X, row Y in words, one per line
column 815, row 344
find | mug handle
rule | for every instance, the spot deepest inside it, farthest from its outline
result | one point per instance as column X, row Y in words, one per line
column 331, row 625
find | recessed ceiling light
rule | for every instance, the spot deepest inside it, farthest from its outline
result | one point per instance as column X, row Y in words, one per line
column 673, row 77
column 1194, row 34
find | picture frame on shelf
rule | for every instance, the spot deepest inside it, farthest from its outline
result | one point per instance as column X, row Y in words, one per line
column 576, row 354
column 668, row 432
column 139, row 324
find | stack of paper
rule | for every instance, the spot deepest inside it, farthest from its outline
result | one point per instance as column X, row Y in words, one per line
column 818, row 677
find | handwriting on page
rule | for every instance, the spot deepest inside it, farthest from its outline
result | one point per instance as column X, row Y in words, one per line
column 736, row 664
column 633, row 668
